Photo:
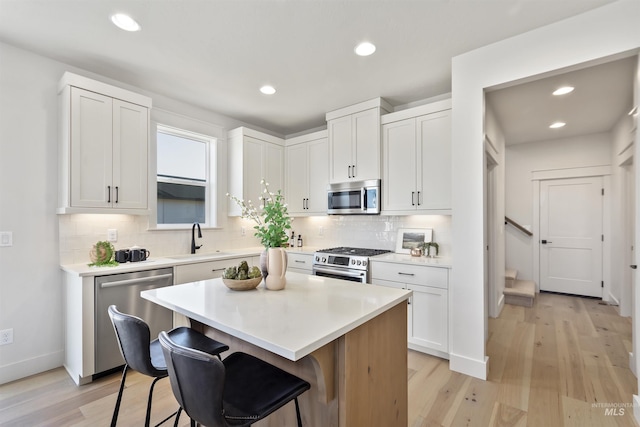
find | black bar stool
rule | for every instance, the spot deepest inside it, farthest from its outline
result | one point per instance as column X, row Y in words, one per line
column 145, row 356
column 237, row 391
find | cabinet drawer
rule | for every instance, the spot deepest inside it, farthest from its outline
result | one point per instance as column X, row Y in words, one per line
column 410, row 274
column 208, row 270
column 300, row 261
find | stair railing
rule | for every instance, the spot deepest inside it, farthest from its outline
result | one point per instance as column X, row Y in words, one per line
column 508, row 220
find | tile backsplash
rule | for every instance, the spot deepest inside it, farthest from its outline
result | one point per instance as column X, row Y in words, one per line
column 78, row 233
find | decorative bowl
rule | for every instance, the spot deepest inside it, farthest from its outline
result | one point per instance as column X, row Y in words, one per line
column 242, row 285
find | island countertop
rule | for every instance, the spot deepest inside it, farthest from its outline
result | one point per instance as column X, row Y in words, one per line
column 310, row 312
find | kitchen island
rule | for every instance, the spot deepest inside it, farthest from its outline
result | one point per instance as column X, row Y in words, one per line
column 348, row 340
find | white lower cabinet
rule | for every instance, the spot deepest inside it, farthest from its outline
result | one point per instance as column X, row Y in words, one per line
column 299, row 262
column 428, row 313
column 186, row 273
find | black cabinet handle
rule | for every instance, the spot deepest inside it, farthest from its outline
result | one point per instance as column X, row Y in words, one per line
column 117, row 194
column 108, row 194
column 418, row 198
column 413, row 202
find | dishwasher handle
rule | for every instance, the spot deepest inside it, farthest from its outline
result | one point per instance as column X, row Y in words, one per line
column 127, row 282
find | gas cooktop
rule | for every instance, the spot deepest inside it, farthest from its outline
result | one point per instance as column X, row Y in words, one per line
column 343, row 250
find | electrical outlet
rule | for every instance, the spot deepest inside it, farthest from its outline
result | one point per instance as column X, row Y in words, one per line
column 6, row 336
column 243, row 231
column 6, row 238
column 112, row 235
column 321, row 231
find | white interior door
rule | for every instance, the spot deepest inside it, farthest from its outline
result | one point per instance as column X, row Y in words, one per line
column 571, row 236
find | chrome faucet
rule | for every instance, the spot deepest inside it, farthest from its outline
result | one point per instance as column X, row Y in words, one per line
column 193, row 237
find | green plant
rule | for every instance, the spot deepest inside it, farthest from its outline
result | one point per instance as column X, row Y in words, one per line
column 271, row 218
column 427, row 247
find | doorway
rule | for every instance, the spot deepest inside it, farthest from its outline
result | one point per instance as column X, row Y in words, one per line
column 571, row 236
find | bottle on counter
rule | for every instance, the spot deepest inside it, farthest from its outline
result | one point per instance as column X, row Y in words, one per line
column 299, row 240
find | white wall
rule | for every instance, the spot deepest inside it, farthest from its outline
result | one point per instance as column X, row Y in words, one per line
column 30, row 280
column 602, row 32
column 521, row 161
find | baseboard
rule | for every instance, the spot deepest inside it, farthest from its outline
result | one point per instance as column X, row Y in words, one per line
column 26, row 368
column 467, row 366
column 426, row 350
column 613, row 301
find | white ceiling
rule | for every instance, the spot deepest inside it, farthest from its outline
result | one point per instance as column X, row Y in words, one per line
column 215, row 54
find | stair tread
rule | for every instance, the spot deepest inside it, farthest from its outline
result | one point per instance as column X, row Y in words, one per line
column 522, row 288
column 511, row 273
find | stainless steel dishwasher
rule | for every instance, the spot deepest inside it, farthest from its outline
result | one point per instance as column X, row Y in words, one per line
column 123, row 290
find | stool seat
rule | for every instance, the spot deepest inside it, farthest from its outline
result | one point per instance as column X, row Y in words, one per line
column 186, row 337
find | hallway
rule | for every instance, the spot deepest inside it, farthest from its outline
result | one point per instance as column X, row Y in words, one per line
column 550, row 365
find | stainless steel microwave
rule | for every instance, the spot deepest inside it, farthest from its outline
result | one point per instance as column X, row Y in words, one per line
column 354, row 198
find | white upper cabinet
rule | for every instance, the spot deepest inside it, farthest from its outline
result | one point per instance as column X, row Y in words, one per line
column 307, row 160
column 103, row 148
column 354, row 141
column 253, row 156
column 416, row 146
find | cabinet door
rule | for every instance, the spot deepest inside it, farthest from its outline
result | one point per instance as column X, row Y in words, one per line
column 130, row 153
column 252, row 170
column 297, row 178
column 340, row 149
column 429, row 320
column 318, row 175
column 399, row 190
column 366, row 140
column 274, row 166
column 91, row 149
column 434, row 151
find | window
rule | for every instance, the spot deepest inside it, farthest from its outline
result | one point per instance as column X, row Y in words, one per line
column 184, row 192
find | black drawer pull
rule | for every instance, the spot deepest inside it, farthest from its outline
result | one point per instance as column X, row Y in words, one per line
column 405, row 274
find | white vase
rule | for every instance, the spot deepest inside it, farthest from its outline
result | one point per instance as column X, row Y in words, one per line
column 277, row 269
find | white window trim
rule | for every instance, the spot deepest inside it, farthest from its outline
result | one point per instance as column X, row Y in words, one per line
column 210, row 184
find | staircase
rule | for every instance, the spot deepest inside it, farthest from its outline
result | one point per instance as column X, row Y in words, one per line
column 518, row 292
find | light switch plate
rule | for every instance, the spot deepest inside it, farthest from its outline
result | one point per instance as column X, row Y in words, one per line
column 112, row 235
column 6, row 238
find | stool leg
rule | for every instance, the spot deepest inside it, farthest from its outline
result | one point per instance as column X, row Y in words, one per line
column 148, row 417
column 298, row 412
column 116, row 410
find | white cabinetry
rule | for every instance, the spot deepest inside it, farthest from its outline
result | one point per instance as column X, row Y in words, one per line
column 307, row 160
column 253, row 156
column 299, row 262
column 186, row 273
column 103, row 148
column 416, row 152
column 428, row 314
column 354, row 141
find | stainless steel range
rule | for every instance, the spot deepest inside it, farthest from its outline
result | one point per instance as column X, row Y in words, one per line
column 344, row 263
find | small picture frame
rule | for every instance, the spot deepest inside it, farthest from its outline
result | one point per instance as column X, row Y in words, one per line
column 409, row 238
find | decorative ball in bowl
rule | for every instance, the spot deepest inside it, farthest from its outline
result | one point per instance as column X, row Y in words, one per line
column 241, row 278
column 242, row 285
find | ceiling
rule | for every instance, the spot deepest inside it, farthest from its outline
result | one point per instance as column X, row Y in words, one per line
column 215, row 54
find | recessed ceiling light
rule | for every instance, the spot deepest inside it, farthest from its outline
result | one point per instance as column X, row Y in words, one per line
column 563, row 90
column 365, row 49
column 268, row 90
column 557, row 125
column 125, row 22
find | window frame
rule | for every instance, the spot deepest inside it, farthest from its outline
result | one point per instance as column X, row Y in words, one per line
column 209, row 184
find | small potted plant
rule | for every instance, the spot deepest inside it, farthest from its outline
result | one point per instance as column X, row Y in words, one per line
column 272, row 222
column 428, row 252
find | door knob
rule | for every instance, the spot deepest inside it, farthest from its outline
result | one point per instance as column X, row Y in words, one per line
column 634, row 266
column 544, row 242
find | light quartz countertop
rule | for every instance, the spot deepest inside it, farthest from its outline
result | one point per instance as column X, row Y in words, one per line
column 444, row 262
column 153, row 263
column 309, row 313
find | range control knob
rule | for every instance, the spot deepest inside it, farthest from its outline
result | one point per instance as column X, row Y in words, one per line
column 324, row 259
column 317, row 259
column 359, row 262
column 364, row 263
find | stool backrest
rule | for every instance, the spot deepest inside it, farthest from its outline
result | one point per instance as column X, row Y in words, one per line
column 134, row 339
column 197, row 381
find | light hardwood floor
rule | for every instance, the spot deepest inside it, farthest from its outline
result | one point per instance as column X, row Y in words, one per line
column 550, row 366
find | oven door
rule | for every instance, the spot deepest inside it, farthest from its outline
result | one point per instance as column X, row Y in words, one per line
column 359, row 276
